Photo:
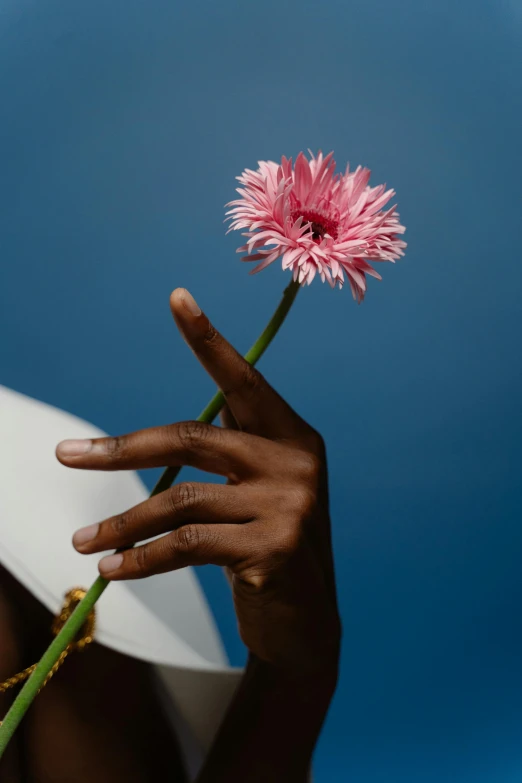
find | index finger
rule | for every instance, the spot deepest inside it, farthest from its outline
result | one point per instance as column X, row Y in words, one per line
column 256, row 406
column 195, row 443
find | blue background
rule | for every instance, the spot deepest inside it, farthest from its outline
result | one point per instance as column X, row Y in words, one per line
column 122, row 127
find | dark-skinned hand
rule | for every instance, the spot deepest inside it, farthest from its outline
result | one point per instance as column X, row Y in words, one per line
column 268, row 526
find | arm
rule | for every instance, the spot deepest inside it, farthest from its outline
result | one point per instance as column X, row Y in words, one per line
column 271, row 728
column 269, row 527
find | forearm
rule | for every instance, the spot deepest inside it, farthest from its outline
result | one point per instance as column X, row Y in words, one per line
column 271, row 728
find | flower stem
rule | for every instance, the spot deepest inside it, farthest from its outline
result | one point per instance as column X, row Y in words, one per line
column 80, row 614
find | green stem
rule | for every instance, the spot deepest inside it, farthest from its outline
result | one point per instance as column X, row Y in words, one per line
column 80, row 614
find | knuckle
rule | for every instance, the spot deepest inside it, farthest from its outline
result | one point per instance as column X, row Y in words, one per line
column 189, row 539
column 304, row 502
column 184, row 496
column 119, row 524
column 296, row 505
column 140, row 557
column 210, row 335
column 250, row 383
column 309, row 467
column 114, row 447
column 193, row 434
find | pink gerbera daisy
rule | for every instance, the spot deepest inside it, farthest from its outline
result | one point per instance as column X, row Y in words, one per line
column 317, row 221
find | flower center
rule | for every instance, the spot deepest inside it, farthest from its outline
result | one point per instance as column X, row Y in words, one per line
column 321, row 224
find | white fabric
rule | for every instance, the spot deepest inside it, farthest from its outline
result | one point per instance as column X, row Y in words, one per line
column 164, row 620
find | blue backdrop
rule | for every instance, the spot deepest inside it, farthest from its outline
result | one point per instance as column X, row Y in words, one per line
column 123, row 125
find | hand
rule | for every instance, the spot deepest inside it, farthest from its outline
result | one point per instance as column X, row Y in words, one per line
column 269, row 526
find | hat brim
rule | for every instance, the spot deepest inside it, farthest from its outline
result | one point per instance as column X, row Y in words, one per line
column 165, row 620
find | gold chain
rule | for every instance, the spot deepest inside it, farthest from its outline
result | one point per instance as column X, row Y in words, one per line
column 84, row 638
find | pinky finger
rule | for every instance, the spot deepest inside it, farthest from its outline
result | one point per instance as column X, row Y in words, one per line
column 190, row 545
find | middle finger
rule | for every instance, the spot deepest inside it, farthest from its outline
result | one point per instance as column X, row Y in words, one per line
column 182, row 504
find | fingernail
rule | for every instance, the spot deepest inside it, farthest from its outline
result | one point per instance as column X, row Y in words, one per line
column 190, row 303
column 109, row 564
column 73, row 448
column 85, row 534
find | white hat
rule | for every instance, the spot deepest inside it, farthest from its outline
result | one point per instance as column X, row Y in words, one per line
column 164, row 620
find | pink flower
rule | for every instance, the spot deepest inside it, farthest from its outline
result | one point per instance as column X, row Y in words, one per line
column 317, row 221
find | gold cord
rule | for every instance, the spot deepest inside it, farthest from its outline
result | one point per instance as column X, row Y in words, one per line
column 84, row 638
